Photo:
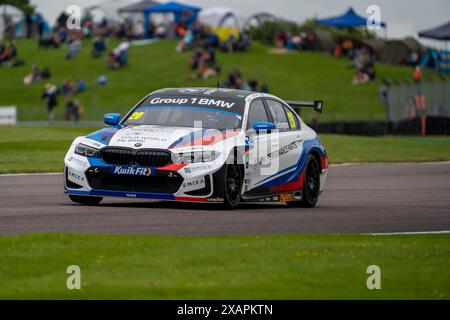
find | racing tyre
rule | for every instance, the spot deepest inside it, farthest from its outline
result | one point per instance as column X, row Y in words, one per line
column 233, row 185
column 311, row 185
column 90, row 201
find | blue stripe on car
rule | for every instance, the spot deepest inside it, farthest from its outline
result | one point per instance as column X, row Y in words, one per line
column 193, row 108
column 104, row 135
column 125, row 194
column 308, row 147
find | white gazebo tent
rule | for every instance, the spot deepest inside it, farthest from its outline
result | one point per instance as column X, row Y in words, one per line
column 222, row 20
column 108, row 9
column 258, row 19
column 9, row 12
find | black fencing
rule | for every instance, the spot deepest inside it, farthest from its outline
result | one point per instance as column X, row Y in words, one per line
column 412, row 108
column 434, row 126
column 424, row 102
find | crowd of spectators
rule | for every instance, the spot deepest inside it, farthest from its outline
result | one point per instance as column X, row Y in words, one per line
column 67, row 91
column 302, row 41
column 8, row 55
column 235, row 80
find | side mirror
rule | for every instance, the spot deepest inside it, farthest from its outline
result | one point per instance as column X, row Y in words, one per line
column 266, row 126
column 112, row 118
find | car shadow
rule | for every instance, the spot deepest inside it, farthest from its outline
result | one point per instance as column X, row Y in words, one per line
column 190, row 205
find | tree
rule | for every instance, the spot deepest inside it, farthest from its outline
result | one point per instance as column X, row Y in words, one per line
column 23, row 5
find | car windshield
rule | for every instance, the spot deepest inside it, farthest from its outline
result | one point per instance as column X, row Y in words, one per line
column 187, row 112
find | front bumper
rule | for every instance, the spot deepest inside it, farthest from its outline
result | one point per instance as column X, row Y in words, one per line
column 177, row 182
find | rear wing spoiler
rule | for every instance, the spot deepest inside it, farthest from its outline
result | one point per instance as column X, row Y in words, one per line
column 317, row 105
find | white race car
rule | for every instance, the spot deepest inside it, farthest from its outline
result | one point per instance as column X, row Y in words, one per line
column 203, row 145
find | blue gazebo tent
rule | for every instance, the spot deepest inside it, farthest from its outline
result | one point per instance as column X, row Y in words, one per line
column 347, row 20
column 178, row 9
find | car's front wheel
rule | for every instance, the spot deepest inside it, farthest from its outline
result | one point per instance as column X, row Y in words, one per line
column 233, row 185
column 90, row 201
column 311, row 185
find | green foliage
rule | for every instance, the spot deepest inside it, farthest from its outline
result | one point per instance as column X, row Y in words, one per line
column 23, row 5
column 268, row 30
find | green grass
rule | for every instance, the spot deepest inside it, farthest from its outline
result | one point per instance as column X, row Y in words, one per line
column 303, row 76
column 42, row 149
column 240, row 267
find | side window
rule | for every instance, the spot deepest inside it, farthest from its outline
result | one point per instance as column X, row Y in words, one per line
column 257, row 113
column 292, row 118
column 278, row 114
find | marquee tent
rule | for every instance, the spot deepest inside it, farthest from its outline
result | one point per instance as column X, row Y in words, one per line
column 177, row 9
column 376, row 45
column 108, row 9
column 258, row 19
column 222, row 20
column 9, row 12
column 405, row 51
column 323, row 40
column 138, row 7
column 441, row 32
column 346, row 20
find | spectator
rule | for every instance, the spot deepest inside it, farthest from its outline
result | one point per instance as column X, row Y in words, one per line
column 81, row 85
column 417, row 74
column 8, row 54
column 74, row 46
column 50, row 96
column 53, row 41
column 161, row 31
column 73, row 110
column 99, row 46
column 67, row 88
column 36, row 75
column 204, row 63
column 119, row 56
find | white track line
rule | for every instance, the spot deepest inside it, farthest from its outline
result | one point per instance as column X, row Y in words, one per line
column 412, row 232
column 381, row 163
column 331, row 165
column 30, row 174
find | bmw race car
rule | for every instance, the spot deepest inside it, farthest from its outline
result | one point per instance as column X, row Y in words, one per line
column 202, row 145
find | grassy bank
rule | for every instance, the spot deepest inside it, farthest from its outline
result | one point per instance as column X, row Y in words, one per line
column 301, row 76
column 244, row 267
column 42, row 149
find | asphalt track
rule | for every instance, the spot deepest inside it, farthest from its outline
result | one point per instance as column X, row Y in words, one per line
column 358, row 198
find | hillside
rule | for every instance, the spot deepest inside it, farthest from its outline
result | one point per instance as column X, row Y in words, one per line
column 303, row 76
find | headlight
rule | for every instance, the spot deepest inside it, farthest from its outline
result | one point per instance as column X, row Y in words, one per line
column 86, row 151
column 195, row 156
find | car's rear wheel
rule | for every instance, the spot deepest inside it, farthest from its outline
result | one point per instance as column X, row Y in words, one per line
column 311, row 185
column 233, row 185
column 90, row 201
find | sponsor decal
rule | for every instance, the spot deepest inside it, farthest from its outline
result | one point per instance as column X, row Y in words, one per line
column 286, row 197
column 75, row 176
column 79, row 161
column 132, row 171
column 190, row 185
column 214, row 199
column 198, row 101
column 130, row 195
column 280, row 152
column 190, row 90
column 137, row 145
column 199, row 167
